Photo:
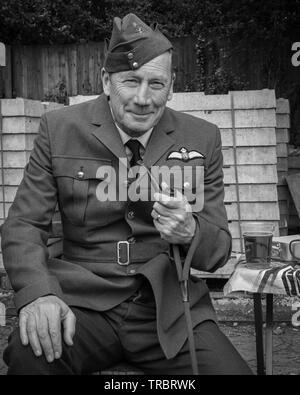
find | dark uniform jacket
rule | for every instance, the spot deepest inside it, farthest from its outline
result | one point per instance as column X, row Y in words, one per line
column 72, row 144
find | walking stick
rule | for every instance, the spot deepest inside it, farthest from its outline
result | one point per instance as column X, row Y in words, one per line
column 183, row 273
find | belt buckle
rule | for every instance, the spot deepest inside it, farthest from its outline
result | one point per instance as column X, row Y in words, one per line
column 120, row 248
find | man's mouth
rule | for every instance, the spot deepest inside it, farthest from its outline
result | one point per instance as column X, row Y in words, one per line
column 140, row 113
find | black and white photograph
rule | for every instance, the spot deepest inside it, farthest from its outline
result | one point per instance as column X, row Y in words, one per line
column 150, row 190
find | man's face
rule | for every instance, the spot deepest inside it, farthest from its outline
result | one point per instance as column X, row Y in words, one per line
column 138, row 97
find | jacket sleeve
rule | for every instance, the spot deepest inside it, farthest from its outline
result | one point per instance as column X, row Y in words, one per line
column 25, row 232
column 214, row 248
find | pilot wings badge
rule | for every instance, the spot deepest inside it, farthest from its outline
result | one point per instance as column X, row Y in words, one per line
column 185, row 155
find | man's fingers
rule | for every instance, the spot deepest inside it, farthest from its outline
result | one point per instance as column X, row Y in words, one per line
column 23, row 329
column 44, row 337
column 69, row 322
column 55, row 335
column 33, row 335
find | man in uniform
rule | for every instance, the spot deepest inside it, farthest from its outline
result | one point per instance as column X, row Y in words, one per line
column 113, row 294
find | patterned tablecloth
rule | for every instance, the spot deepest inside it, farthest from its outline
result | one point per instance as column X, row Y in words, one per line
column 280, row 278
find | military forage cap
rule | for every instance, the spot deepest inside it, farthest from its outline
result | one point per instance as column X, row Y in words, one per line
column 132, row 44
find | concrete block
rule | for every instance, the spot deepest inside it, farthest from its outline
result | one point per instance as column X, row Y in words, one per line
column 20, row 124
column 12, row 176
column 254, row 99
column 29, row 140
column 249, row 137
column 282, row 150
column 14, row 159
column 21, row 107
column 51, row 106
column 250, row 155
column 283, row 121
column 81, row 98
column 262, row 211
column 251, row 193
column 252, row 174
column 263, row 118
column 282, row 164
column 14, row 142
column 2, row 314
column 282, row 135
column 9, row 193
column 282, row 106
column 197, row 101
column 4, row 210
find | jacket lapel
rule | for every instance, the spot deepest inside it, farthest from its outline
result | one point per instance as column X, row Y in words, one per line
column 160, row 141
column 106, row 132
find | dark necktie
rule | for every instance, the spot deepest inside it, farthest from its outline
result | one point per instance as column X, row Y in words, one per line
column 134, row 146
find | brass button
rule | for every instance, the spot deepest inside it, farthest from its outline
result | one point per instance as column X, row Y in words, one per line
column 135, row 65
column 131, row 214
column 80, row 174
column 130, row 55
column 132, row 271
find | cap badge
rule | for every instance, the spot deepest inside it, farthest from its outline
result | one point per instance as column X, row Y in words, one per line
column 138, row 29
column 185, row 155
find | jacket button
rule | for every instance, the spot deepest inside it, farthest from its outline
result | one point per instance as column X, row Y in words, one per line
column 80, row 174
column 131, row 214
column 130, row 55
column 135, row 65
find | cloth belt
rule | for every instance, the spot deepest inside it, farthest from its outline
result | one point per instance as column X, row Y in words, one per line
column 121, row 252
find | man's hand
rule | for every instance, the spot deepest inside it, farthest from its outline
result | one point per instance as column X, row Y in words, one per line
column 173, row 217
column 40, row 326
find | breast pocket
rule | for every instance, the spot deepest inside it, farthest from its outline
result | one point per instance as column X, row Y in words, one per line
column 77, row 180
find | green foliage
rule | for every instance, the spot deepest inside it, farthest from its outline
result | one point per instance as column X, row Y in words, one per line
column 59, row 94
column 65, row 21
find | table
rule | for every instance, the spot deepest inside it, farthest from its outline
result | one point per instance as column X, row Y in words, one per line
column 281, row 278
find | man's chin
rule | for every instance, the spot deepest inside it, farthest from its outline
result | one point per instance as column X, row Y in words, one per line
column 139, row 128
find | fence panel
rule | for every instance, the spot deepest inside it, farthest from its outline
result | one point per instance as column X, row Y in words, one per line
column 48, row 72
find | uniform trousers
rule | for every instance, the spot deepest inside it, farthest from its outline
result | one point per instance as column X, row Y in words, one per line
column 127, row 333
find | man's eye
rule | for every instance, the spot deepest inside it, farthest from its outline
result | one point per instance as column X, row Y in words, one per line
column 157, row 85
column 131, row 82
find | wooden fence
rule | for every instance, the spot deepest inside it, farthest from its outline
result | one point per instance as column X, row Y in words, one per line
column 45, row 72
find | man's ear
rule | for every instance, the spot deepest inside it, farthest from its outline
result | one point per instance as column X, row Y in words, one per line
column 170, row 95
column 105, row 81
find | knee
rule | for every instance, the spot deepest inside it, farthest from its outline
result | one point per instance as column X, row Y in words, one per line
column 17, row 357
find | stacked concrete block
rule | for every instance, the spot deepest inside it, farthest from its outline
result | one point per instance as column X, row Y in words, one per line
column 247, row 121
column 282, row 141
column 20, row 120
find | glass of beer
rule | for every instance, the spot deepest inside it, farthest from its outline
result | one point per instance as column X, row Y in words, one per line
column 258, row 243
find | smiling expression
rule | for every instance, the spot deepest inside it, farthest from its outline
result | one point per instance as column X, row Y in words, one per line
column 138, row 97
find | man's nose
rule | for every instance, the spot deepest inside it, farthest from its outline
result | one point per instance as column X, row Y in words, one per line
column 142, row 97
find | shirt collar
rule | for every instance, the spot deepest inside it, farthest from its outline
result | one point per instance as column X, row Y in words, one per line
column 143, row 139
